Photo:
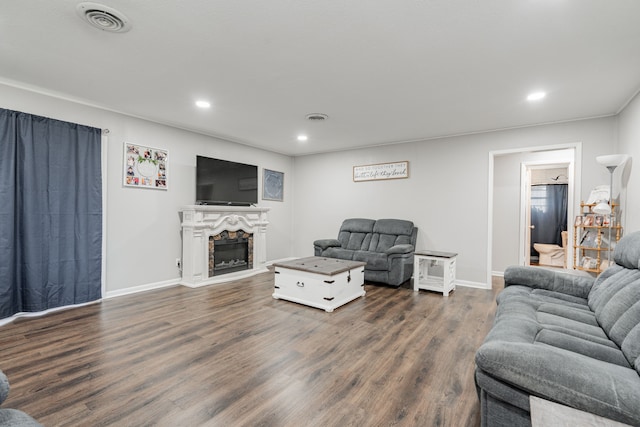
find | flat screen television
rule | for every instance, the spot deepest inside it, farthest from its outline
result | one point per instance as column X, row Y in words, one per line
column 222, row 182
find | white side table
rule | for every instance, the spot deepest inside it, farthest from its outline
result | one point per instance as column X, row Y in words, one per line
column 421, row 278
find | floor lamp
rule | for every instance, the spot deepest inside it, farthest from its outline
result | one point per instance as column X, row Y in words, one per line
column 611, row 162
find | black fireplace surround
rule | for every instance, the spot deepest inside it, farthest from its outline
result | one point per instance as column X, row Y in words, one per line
column 230, row 251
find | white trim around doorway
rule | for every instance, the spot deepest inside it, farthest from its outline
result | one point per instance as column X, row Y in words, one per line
column 575, row 194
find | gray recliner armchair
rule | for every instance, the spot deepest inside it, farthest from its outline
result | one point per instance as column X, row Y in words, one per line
column 12, row 417
column 386, row 245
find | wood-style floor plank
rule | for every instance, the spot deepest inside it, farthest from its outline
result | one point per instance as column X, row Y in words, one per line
column 230, row 354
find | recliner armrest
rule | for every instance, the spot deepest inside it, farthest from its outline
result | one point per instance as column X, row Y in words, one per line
column 542, row 278
column 591, row 385
column 400, row 249
column 327, row 243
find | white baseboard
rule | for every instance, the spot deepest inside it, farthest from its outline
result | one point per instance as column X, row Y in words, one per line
column 497, row 273
column 142, row 288
column 225, row 278
column 469, row 284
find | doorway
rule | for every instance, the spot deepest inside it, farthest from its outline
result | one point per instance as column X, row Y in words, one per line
column 546, row 201
column 507, row 223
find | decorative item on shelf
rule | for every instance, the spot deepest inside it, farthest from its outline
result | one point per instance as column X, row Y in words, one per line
column 590, row 238
column 600, row 197
column 587, row 221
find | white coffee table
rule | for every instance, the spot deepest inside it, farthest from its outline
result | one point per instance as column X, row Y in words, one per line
column 421, row 277
column 319, row 282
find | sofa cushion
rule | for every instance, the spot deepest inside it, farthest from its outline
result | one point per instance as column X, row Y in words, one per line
column 627, row 252
column 390, row 232
column 616, row 304
column 338, row 253
column 590, row 348
column 571, row 328
column 382, row 242
column 354, row 241
column 355, row 233
column 327, row 243
column 358, row 225
column 375, row 261
column 552, row 280
column 579, row 313
column 393, row 226
column 542, row 295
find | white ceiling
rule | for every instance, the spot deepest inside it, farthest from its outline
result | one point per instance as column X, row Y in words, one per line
column 384, row 71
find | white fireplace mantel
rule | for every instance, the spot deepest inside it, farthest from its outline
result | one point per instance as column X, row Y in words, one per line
column 199, row 222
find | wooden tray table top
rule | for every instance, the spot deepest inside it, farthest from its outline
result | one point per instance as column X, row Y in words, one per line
column 320, row 265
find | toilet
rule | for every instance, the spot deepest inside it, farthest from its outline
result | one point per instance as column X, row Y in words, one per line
column 552, row 255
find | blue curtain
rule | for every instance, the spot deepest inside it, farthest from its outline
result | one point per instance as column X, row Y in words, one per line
column 548, row 214
column 50, row 213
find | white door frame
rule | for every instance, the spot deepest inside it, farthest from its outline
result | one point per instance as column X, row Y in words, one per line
column 524, row 257
column 525, row 211
column 577, row 180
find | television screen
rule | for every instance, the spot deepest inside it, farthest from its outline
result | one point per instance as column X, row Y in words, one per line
column 222, row 182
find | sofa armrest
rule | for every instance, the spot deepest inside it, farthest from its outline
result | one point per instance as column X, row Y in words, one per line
column 542, row 278
column 591, row 385
column 400, row 249
column 327, row 243
column 4, row 387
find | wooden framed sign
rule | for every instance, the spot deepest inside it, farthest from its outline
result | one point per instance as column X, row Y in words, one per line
column 380, row 171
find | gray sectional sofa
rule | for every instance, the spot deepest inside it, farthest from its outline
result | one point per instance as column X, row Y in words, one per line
column 386, row 245
column 567, row 338
column 12, row 417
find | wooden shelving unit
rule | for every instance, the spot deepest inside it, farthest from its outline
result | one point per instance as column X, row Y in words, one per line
column 589, row 248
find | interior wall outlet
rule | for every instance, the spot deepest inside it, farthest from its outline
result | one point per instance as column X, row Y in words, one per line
column 178, row 263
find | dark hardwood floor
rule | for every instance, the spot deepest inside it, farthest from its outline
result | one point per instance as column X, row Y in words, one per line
column 230, row 355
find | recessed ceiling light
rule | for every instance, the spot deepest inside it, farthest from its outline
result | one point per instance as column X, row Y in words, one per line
column 203, row 104
column 536, row 96
column 302, row 137
column 317, row 117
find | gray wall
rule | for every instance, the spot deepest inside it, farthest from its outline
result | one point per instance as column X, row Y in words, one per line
column 446, row 194
column 629, row 143
column 143, row 226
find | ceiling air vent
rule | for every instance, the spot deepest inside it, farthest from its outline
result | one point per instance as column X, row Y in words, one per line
column 103, row 17
column 317, row 117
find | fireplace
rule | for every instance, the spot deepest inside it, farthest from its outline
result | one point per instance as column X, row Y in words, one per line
column 222, row 243
column 230, row 251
